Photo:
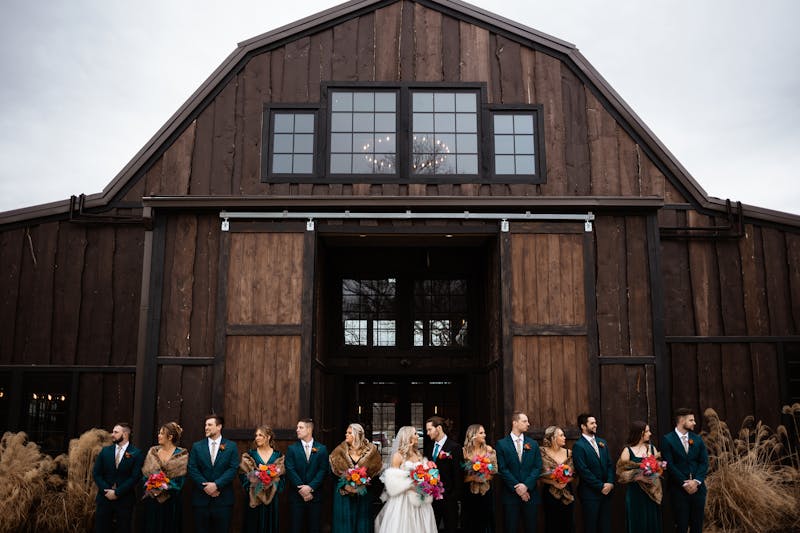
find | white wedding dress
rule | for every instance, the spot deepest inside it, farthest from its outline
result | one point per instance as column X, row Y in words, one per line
column 404, row 511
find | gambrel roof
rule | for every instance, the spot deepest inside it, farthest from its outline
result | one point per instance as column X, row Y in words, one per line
column 562, row 50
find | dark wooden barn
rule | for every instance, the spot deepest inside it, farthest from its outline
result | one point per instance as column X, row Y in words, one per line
column 393, row 209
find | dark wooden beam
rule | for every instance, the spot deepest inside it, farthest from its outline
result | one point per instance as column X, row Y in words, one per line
column 590, row 300
column 218, row 379
column 657, row 306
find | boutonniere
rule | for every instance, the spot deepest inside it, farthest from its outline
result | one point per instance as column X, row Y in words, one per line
column 313, row 450
column 127, row 455
column 445, row 455
column 601, row 444
column 527, row 446
column 691, row 442
column 222, row 447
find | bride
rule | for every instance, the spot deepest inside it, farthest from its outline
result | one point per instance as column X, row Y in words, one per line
column 404, row 511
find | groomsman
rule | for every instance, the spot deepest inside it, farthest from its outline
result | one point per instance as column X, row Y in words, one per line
column 687, row 464
column 448, row 456
column 306, row 468
column 213, row 463
column 117, row 470
column 519, row 464
column 596, row 471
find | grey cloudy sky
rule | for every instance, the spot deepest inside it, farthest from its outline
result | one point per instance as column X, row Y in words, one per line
column 85, row 83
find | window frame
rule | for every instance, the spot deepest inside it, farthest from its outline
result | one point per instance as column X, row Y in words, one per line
column 485, row 137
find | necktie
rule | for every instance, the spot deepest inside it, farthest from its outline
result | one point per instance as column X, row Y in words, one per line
column 685, row 442
column 518, row 445
column 307, row 448
column 213, row 451
column 117, row 456
column 435, row 451
column 594, row 445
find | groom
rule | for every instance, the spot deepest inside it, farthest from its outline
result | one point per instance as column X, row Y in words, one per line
column 306, row 468
column 447, row 455
column 519, row 464
column 687, row 465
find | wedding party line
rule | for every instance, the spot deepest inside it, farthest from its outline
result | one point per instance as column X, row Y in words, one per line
column 443, row 486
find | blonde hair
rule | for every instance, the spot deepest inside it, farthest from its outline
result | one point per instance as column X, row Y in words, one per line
column 360, row 441
column 549, row 435
column 267, row 431
column 469, row 437
column 404, row 443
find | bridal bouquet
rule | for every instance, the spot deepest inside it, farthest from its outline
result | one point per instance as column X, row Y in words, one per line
column 427, row 481
column 354, row 481
column 155, row 485
column 651, row 466
column 561, row 474
column 480, row 467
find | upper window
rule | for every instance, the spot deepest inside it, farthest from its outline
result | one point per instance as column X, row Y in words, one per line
column 404, row 133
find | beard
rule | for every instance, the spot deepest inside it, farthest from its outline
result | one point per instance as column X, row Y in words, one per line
column 118, row 440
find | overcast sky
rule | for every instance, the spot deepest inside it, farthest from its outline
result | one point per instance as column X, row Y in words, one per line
column 84, row 84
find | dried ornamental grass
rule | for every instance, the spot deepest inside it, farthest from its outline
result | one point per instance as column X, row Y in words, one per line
column 24, row 471
column 753, row 481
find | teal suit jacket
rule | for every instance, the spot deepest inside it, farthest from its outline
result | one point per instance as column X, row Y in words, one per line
column 681, row 465
column 593, row 471
column 222, row 472
column 302, row 472
column 122, row 478
column 514, row 471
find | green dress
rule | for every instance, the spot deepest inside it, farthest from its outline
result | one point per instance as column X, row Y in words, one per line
column 264, row 518
column 642, row 514
column 165, row 517
column 352, row 513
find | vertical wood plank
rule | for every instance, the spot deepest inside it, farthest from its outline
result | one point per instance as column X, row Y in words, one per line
column 793, row 262
column 10, row 263
column 548, row 75
column 705, row 282
column 678, row 311
column 638, row 283
column 629, row 164
column 755, row 297
column 224, row 140
column 508, row 56
column 475, row 56
column 602, row 148
column 176, row 167
column 528, row 73
column 344, row 61
column 202, row 153
column 366, row 47
column 178, row 287
column 204, row 297
column 35, row 320
column 406, row 44
column 428, row 49
column 255, row 92
column 710, row 379
column 97, row 305
column 737, row 382
column 295, row 78
column 387, row 48
column 730, row 281
column 170, row 399
column 319, row 62
column 451, row 49
column 766, row 375
column 612, row 312
column 67, row 293
column 127, row 287
column 776, row 275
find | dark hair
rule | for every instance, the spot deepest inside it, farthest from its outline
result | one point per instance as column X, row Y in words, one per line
column 174, row 431
column 636, row 431
column 307, row 421
column 126, row 427
column 267, row 431
column 515, row 415
column 438, row 421
column 218, row 420
column 583, row 419
column 680, row 412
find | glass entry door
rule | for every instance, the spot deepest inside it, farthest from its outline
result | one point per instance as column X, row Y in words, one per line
column 384, row 405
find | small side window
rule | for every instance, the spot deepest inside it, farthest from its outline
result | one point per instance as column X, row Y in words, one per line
column 291, row 142
column 516, row 143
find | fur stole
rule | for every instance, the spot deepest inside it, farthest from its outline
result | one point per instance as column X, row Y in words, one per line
column 627, row 472
column 174, row 467
column 265, row 496
column 340, row 460
column 548, row 465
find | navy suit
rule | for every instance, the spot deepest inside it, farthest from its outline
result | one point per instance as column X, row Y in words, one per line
column 213, row 513
column 311, row 472
column 594, row 471
column 514, row 471
column 688, row 508
column 122, row 479
column 449, row 464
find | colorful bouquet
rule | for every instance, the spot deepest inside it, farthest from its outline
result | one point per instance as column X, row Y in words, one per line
column 651, row 466
column 480, row 467
column 156, row 484
column 561, row 474
column 426, row 480
column 354, row 481
column 263, row 477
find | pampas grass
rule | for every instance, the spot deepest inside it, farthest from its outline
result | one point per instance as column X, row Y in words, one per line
column 754, row 478
column 24, row 470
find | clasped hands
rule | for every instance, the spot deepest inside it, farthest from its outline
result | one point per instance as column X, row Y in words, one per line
column 691, row 486
column 210, row 488
column 306, row 492
column 522, row 491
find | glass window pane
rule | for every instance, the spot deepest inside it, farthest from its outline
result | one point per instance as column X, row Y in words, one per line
column 445, row 164
column 363, row 143
column 504, row 164
column 385, row 122
column 355, row 332
column 384, row 332
column 384, row 164
column 282, row 163
column 341, row 122
column 503, row 124
column 444, row 102
column 362, row 164
column 523, row 124
column 466, row 122
column 304, row 144
column 385, row 144
column 444, row 122
column 342, row 101
column 284, row 123
column 340, row 163
column 385, row 102
column 467, row 143
column 503, row 144
column 341, row 142
column 423, row 102
column 466, row 102
column 446, row 143
column 304, row 123
column 523, row 144
column 282, row 143
column 467, row 164
column 423, row 143
column 419, row 334
column 363, row 122
column 363, row 101
column 525, row 164
column 423, row 122
column 303, row 164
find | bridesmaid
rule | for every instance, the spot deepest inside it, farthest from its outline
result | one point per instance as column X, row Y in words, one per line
column 261, row 515
column 162, row 507
column 557, row 499
column 351, row 511
column 643, row 495
column 478, row 498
